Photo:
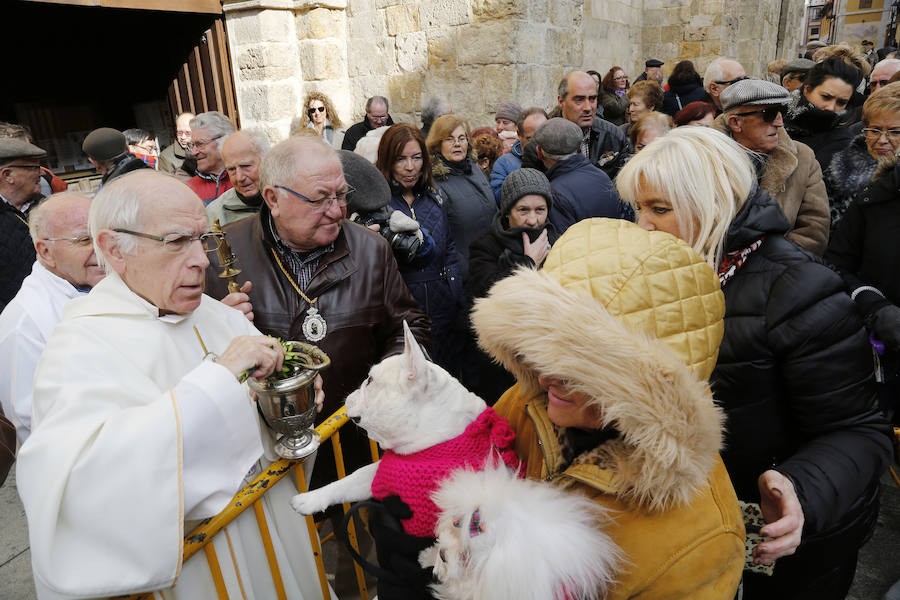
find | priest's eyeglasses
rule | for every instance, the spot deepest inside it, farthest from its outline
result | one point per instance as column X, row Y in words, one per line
column 179, row 242
column 81, row 240
column 322, row 204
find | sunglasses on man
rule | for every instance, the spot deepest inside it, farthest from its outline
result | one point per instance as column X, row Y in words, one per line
column 769, row 113
column 732, row 81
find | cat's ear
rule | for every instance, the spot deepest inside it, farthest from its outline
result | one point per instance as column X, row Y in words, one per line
column 413, row 357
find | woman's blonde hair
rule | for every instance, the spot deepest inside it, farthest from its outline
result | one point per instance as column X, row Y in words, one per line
column 330, row 112
column 705, row 175
column 652, row 121
column 884, row 100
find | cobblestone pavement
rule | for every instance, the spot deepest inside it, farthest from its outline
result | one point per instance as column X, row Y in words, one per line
column 878, row 565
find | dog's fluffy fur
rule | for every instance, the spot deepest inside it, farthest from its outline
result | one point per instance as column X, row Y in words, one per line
column 536, row 542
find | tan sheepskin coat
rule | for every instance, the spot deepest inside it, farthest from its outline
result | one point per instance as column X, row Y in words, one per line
column 675, row 513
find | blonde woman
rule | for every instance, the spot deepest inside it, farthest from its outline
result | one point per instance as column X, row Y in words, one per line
column 805, row 437
column 321, row 116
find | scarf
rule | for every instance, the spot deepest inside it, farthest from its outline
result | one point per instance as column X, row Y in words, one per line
column 733, row 261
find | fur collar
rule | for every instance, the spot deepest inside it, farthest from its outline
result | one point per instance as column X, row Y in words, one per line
column 780, row 162
column 670, row 428
column 441, row 169
column 851, row 169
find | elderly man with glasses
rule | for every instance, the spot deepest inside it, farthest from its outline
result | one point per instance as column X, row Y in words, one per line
column 317, row 277
column 66, row 268
column 720, row 74
column 376, row 116
column 141, row 426
column 20, row 186
column 786, row 169
column 207, row 131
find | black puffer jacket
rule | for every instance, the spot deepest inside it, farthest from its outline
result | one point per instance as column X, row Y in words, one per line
column 850, row 170
column 794, row 376
column 16, row 252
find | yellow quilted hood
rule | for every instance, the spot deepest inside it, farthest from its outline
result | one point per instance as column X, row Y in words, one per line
column 634, row 319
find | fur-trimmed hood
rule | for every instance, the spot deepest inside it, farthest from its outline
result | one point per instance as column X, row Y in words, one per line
column 441, row 169
column 625, row 316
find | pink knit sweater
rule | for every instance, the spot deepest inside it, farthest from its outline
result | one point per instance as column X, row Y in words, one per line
column 415, row 476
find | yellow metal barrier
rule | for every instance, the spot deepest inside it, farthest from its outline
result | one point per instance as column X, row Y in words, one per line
column 202, row 535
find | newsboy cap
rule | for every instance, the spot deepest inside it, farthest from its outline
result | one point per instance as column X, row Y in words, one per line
column 798, row 65
column 559, row 136
column 522, row 182
column 104, row 144
column 654, row 63
column 508, row 110
column 753, row 91
column 13, row 149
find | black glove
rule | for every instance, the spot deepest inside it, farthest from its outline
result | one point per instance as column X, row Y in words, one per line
column 886, row 326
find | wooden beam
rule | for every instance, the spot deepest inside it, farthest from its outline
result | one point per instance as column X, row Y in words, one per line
column 213, row 7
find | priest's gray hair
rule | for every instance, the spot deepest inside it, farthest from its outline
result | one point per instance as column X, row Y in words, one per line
column 118, row 206
column 215, row 123
column 286, row 161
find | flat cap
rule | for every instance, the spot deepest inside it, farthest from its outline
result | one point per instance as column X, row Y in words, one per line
column 508, row 110
column 654, row 63
column 13, row 149
column 104, row 143
column 753, row 91
column 798, row 65
column 559, row 136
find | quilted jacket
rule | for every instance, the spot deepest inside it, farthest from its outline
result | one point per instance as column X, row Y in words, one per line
column 633, row 319
column 795, row 378
column 16, row 252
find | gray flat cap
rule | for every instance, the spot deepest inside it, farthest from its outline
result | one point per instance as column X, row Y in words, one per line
column 798, row 65
column 559, row 136
column 104, row 143
column 753, row 91
column 13, row 149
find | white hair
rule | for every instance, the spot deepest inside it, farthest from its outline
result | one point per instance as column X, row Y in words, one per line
column 283, row 162
column 367, row 147
column 259, row 143
column 117, row 206
column 217, row 124
column 714, row 72
column 888, row 62
column 706, row 176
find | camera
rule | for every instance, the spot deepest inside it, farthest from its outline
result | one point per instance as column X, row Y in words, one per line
column 404, row 244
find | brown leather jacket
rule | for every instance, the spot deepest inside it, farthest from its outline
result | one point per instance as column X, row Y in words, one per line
column 360, row 294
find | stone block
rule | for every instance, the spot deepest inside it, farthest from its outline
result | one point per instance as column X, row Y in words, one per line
column 488, row 43
column 257, row 26
column 498, row 9
column 268, row 62
column 412, row 51
column 672, row 33
column 367, row 56
column 405, row 91
column 441, row 13
column 696, row 34
column 403, row 18
column 322, row 59
column 561, row 13
column 499, row 85
column 651, row 35
column 356, row 7
column 386, row 3
column 530, row 47
column 701, row 21
column 688, row 50
column 269, row 101
column 325, row 23
column 442, row 47
column 658, row 17
column 368, row 25
column 538, row 12
column 711, row 48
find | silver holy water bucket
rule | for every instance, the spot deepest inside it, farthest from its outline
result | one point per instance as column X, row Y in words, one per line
column 289, row 404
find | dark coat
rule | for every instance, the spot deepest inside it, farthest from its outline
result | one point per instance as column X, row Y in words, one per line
column 492, row 257
column 126, row 164
column 819, row 129
column 581, row 191
column 360, row 294
column 794, row 375
column 469, row 203
column 16, row 251
column 608, row 147
column 615, row 107
column 681, row 94
column 358, row 131
column 850, row 170
column 434, row 282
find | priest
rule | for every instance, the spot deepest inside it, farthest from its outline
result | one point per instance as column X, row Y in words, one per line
column 140, row 430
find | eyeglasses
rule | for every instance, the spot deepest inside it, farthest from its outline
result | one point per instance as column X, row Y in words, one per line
column 322, row 204
column 459, row 140
column 176, row 243
column 379, row 118
column 311, row 111
column 81, row 240
column 874, row 133
column 183, row 133
column 199, row 143
column 877, row 83
column 146, row 147
column 731, row 81
column 768, row 114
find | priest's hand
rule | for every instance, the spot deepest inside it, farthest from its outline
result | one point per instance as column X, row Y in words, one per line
column 784, row 517
column 259, row 354
column 241, row 300
column 320, row 394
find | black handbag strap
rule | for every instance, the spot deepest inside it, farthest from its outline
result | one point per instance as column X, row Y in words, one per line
column 377, row 571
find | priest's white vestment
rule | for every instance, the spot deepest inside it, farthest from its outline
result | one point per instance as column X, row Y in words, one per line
column 135, row 439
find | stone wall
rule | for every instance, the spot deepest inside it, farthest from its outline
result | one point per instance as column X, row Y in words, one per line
column 476, row 52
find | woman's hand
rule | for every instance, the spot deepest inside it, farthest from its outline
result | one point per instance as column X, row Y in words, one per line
column 784, row 517
column 537, row 250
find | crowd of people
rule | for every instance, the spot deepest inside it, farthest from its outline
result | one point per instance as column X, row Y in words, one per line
column 676, row 290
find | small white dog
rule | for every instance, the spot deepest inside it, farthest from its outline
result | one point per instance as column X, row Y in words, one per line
column 501, row 537
column 427, row 423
